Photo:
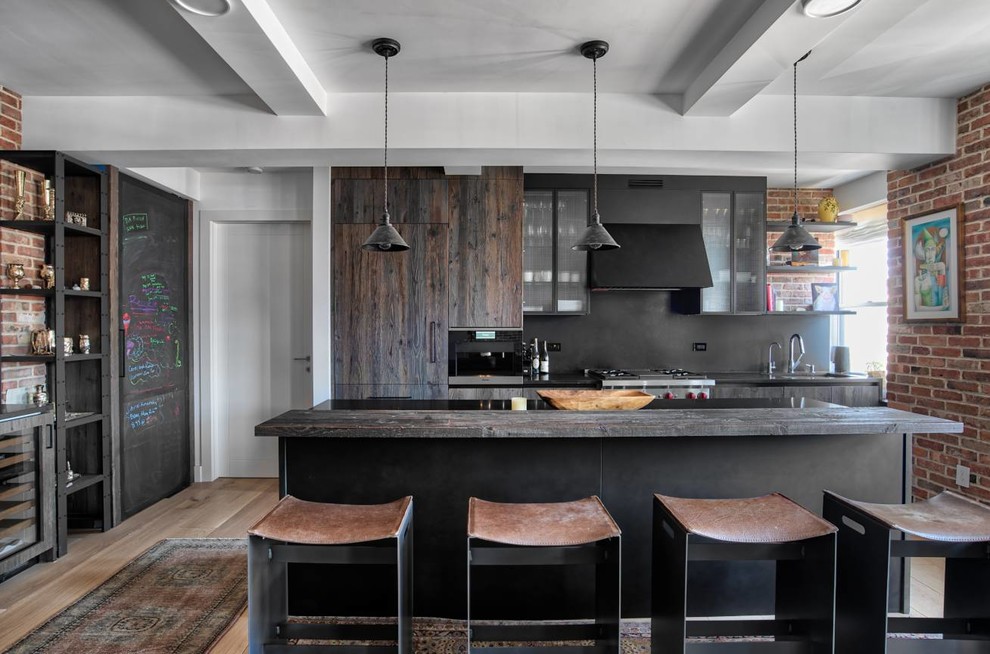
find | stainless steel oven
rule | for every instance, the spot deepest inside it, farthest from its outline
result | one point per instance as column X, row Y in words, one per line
column 482, row 357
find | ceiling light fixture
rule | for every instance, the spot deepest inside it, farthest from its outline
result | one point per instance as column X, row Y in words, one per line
column 796, row 238
column 385, row 238
column 827, row 8
column 595, row 237
column 208, row 8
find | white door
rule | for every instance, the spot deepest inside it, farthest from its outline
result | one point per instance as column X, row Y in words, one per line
column 263, row 338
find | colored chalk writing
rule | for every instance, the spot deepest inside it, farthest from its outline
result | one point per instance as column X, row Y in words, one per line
column 144, row 414
column 135, row 222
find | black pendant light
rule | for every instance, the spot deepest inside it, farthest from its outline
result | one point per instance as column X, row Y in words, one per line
column 385, row 238
column 796, row 238
column 595, row 237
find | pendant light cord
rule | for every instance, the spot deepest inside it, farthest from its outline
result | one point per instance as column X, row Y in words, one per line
column 594, row 62
column 386, row 136
column 795, row 137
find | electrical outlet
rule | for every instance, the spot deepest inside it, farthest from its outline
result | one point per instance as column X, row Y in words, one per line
column 962, row 476
column 553, row 347
column 699, row 347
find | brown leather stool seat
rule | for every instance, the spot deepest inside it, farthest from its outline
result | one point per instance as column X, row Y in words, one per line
column 541, row 525
column 771, row 527
column 950, row 526
column 768, row 519
column 577, row 533
column 299, row 531
column 316, row 523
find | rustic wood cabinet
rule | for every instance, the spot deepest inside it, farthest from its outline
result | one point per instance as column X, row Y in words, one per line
column 415, row 195
column 726, row 391
column 390, row 310
column 486, row 223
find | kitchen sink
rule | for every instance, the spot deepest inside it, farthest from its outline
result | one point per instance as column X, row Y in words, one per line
column 813, row 375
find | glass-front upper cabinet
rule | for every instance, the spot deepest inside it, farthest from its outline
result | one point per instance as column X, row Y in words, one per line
column 555, row 277
column 733, row 225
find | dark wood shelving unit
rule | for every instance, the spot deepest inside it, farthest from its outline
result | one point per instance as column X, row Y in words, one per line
column 29, row 292
column 77, row 383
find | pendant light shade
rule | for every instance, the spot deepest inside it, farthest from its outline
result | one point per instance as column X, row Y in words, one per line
column 385, row 238
column 595, row 237
column 796, row 238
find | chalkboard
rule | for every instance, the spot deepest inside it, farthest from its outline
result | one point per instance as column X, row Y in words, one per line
column 154, row 333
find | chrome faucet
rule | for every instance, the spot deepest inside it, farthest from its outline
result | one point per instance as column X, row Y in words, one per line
column 792, row 363
column 771, row 366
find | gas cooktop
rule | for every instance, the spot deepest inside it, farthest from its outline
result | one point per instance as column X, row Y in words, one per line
column 645, row 373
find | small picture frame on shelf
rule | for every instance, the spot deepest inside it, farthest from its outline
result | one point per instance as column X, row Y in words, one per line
column 804, row 258
column 824, row 296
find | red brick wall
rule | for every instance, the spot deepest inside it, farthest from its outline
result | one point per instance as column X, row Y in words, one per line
column 944, row 369
column 10, row 120
column 796, row 290
column 19, row 316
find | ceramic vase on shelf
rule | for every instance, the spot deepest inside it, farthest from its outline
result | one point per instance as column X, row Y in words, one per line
column 828, row 209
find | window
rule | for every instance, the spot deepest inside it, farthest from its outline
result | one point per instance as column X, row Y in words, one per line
column 864, row 290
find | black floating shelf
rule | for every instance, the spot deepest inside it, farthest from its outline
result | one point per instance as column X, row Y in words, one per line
column 92, row 356
column 811, row 313
column 29, row 292
column 27, row 358
column 780, row 225
column 74, row 293
column 83, row 420
column 81, row 482
column 36, row 226
column 80, row 229
column 792, row 270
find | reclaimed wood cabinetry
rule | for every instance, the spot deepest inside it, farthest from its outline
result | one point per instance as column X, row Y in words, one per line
column 390, row 312
column 486, row 226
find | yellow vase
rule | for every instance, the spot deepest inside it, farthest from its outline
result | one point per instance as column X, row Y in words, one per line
column 828, row 209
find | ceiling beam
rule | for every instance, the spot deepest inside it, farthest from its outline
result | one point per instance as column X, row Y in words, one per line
column 774, row 37
column 256, row 46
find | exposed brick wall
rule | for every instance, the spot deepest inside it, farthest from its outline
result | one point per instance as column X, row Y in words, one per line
column 795, row 290
column 944, row 369
column 19, row 316
column 10, row 120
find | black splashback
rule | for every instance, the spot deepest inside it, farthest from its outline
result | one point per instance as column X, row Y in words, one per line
column 636, row 329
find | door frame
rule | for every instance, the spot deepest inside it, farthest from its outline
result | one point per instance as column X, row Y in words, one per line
column 209, row 453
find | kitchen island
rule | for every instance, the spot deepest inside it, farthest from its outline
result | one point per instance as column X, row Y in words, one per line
column 442, row 452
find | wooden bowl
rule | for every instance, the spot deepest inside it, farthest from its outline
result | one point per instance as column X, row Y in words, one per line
column 628, row 400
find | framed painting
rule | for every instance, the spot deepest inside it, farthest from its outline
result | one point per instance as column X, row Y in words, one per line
column 933, row 249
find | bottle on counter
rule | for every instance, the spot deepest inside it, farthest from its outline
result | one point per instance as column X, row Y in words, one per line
column 535, row 362
column 544, row 360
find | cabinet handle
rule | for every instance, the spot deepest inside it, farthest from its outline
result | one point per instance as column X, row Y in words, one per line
column 389, row 397
column 433, row 341
column 50, row 441
column 120, row 353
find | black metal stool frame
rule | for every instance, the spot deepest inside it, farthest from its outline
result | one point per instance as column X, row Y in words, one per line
column 865, row 548
column 804, row 600
column 605, row 555
column 268, row 628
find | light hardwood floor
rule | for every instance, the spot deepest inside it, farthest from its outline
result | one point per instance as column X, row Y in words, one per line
column 221, row 509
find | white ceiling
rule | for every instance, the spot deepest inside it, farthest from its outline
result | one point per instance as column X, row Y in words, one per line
column 300, row 67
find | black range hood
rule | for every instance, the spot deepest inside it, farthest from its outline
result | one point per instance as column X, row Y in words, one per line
column 652, row 258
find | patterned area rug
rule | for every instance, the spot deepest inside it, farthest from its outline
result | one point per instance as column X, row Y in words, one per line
column 176, row 598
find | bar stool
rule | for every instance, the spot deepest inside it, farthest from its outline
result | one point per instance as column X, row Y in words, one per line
column 581, row 532
column 953, row 527
column 297, row 531
column 771, row 527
